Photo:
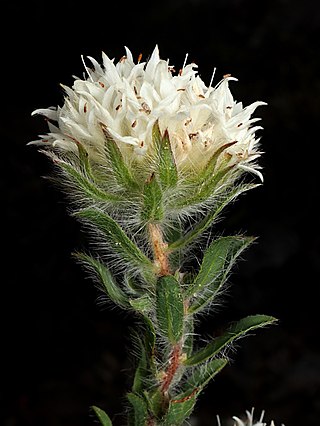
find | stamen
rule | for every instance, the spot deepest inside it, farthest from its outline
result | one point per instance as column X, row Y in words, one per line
column 86, row 68
column 185, row 61
column 212, row 77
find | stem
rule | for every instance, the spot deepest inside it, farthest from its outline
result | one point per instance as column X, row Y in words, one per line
column 159, row 247
column 174, row 364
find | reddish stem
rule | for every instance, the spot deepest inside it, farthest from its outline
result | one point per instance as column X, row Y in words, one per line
column 174, row 363
column 159, row 250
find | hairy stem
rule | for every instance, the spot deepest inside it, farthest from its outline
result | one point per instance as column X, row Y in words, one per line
column 174, row 364
column 159, row 247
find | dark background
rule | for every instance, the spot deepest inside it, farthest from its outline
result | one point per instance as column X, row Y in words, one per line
column 61, row 350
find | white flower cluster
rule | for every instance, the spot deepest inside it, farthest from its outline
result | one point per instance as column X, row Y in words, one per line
column 127, row 99
column 249, row 420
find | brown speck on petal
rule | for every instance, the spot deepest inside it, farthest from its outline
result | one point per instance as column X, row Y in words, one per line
column 145, row 108
column 193, row 135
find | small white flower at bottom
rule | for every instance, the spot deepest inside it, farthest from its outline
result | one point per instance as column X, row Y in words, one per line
column 249, row 421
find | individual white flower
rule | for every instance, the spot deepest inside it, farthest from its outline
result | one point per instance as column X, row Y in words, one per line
column 127, row 99
column 249, row 420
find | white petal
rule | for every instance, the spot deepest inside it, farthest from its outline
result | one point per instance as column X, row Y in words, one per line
column 96, row 65
column 129, row 56
column 125, row 139
column 152, row 63
column 111, row 73
column 251, row 170
column 50, row 113
column 238, row 421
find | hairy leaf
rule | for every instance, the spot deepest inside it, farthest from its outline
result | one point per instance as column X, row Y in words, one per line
column 182, row 405
column 152, row 209
column 117, row 238
column 142, row 370
column 114, row 292
column 217, row 262
column 84, row 161
column 211, row 216
column 90, row 189
column 180, row 409
column 140, row 411
column 202, row 191
column 121, row 172
column 142, row 304
column 189, row 333
column 169, row 308
column 167, row 168
column 202, row 374
column 102, row 416
column 209, row 169
column 235, row 331
column 156, row 402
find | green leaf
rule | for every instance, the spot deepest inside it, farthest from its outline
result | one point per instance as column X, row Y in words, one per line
column 173, row 232
column 121, row 171
column 150, row 341
column 157, row 402
column 207, row 221
column 214, row 261
column 169, row 308
column 140, row 411
column 217, row 262
column 210, row 167
column 117, row 238
column 133, row 287
column 180, row 409
column 84, row 160
column 102, row 416
column 142, row 304
column 202, row 374
column 167, row 169
column 145, row 346
column 152, row 209
column 202, row 191
column 102, row 272
column 189, row 333
column 234, row 332
column 142, row 371
column 182, row 405
column 89, row 188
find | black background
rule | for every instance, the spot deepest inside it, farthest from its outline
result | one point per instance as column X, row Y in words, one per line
column 61, row 350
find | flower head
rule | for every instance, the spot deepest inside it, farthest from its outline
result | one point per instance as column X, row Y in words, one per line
column 124, row 101
column 249, row 420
